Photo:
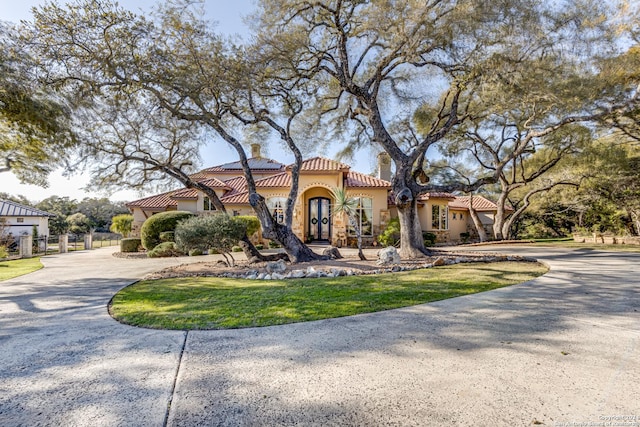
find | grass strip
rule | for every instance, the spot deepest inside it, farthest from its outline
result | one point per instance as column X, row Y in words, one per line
column 18, row 267
column 220, row 303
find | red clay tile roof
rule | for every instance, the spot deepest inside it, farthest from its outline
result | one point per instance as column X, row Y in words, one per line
column 357, row 179
column 192, row 193
column 280, row 180
column 241, row 195
column 198, row 176
column 479, row 203
column 186, row 194
column 238, row 183
column 238, row 193
column 321, row 164
column 236, row 199
column 155, row 202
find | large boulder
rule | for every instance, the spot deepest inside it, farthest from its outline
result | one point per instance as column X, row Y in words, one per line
column 276, row 267
column 388, row 256
column 332, row 253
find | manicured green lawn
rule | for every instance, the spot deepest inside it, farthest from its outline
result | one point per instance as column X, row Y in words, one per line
column 18, row 267
column 219, row 303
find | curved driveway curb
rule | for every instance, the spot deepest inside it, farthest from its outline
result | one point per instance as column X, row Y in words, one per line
column 559, row 350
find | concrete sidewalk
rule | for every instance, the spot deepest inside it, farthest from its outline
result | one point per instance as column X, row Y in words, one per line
column 560, row 349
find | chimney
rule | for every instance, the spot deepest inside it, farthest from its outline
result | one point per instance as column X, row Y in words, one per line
column 384, row 166
column 255, row 151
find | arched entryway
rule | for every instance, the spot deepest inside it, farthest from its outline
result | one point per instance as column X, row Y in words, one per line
column 319, row 224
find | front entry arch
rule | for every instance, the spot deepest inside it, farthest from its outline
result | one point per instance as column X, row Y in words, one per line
column 319, row 218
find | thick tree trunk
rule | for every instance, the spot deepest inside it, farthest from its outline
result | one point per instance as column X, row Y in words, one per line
column 293, row 246
column 411, row 241
column 482, row 233
column 500, row 217
column 253, row 254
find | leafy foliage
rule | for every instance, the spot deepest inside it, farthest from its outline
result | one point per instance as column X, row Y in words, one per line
column 219, row 232
column 251, row 223
column 158, row 223
column 130, row 244
column 100, row 211
column 390, row 236
column 165, row 250
column 35, row 127
column 78, row 223
column 122, row 224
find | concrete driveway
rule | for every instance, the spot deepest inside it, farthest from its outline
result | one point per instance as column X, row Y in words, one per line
column 561, row 350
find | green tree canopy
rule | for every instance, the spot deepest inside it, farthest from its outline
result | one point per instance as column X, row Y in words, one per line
column 36, row 133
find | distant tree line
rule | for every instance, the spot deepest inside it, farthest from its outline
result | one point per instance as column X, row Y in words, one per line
column 76, row 217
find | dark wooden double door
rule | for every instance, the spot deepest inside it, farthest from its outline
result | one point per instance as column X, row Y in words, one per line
column 319, row 219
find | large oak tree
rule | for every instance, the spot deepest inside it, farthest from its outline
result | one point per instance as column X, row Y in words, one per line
column 178, row 64
column 375, row 60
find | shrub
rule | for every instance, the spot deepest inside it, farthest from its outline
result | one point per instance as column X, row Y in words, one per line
column 251, row 223
column 130, row 244
column 4, row 253
column 259, row 247
column 195, row 252
column 390, row 236
column 429, row 238
column 465, row 237
column 273, row 244
column 164, row 250
column 236, row 249
column 219, row 232
column 158, row 223
column 122, row 224
column 167, row 236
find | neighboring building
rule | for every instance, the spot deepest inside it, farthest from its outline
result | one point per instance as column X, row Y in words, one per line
column 312, row 213
column 20, row 220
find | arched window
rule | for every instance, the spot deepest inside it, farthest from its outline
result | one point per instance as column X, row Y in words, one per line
column 364, row 217
column 277, row 206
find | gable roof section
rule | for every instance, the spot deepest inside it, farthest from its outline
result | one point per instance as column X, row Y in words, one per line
column 479, row 203
column 280, row 180
column 255, row 164
column 238, row 194
column 236, row 184
column 9, row 208
column 192, row 193
column 357, row 179
column 236, row 199
column 158, row 201
column 321, row 164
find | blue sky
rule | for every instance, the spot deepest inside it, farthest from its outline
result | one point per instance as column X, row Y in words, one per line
column 229, row 18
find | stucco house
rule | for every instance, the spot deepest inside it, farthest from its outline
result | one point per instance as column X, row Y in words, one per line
column 19, row 220
column 313, row 219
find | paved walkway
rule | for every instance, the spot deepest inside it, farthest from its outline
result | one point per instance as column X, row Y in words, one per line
column 559, row 350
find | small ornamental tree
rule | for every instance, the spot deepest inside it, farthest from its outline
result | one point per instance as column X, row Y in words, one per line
column 122, row 224
column 219, row 232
